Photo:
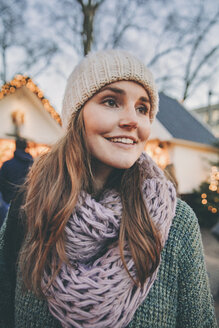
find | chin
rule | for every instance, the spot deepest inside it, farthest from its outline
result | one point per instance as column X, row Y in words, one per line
column 126, row 164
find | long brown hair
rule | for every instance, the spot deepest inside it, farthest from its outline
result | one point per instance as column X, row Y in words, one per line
column 53, row 186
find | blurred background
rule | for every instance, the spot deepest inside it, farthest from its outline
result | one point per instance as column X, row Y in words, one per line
column 41, row 42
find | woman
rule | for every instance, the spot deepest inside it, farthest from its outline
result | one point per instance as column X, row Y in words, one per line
column 105, row 243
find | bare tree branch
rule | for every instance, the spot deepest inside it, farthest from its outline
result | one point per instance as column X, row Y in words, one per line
column 198, row 41
column 169, row 34
column 163, row 53
column 190, row 80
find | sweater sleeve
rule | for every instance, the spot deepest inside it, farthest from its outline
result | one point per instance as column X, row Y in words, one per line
column 6, row 315
column 195, row 302
column 11, row 234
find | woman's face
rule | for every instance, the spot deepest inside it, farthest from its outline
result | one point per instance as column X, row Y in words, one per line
column 117, row 124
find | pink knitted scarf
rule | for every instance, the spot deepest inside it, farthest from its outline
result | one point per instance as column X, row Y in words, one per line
column 95, row 291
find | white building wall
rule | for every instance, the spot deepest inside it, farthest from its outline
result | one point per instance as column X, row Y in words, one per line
column 192, row 166
column 39, row 126
column 158, row 131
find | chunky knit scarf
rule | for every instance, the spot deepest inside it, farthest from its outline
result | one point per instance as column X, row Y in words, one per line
column 95, row 291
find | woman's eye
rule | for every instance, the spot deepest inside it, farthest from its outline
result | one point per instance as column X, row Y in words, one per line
column 110, row 102
column 142, row 109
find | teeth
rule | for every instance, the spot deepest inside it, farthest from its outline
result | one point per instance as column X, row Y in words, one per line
column 122, row 140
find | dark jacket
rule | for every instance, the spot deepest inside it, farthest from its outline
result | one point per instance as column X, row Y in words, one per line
column 13, row 173
column 3, row 209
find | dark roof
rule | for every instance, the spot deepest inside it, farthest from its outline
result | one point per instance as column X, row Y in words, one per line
column 180, row 123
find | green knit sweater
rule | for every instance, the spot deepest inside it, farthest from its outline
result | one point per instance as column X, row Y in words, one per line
column 180, row 296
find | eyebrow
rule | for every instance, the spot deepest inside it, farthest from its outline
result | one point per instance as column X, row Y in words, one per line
column 144, row 99
column 116, row 90
column 122, row 92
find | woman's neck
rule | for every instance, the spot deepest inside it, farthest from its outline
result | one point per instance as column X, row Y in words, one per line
column 106, row 180
column 100, row 174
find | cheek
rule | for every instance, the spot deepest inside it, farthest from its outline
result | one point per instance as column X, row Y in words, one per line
column 95, row 127
column 98, row 123
column 145, row 130
column 90, row 123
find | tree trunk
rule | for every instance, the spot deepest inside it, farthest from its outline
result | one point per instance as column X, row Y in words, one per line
column 89, row 11
column 88, row 22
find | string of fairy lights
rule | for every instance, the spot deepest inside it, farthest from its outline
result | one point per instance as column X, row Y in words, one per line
column 19, row 81
column 214, row 187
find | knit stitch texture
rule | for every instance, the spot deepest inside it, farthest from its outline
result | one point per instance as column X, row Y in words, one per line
column 99, row 69
column 99, row 284
column 179, row 298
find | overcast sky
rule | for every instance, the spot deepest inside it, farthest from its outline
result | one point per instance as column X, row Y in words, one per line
column 53, row 83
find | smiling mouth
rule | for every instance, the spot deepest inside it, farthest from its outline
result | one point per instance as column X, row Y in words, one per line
column 126, row 141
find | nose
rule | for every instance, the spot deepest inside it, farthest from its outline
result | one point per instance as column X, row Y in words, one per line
column 128, row 119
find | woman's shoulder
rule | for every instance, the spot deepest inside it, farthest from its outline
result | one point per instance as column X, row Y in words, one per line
column 184, row 235
column 184, row 218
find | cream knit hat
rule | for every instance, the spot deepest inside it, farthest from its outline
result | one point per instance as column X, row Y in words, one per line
column 99, row 69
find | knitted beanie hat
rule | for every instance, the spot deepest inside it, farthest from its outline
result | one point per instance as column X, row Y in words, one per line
column 99, row 69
